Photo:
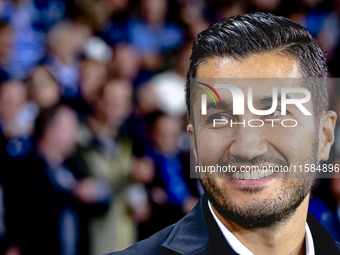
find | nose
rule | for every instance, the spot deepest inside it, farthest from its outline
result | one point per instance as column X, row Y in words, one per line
column 248, row 143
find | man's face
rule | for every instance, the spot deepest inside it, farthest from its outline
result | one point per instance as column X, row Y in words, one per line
column 62, row 132
column 166, row 133
column 266, row 201
column 116, row 101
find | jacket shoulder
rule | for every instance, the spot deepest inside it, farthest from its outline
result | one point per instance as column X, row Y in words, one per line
column 149, row 246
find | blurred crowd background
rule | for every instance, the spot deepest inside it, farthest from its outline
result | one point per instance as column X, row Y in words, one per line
column 94, row 154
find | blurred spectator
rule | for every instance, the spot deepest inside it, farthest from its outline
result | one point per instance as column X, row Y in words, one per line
column 29, row 21
column 94, row 69
column 192, row 11
column 152, row 35
column 147, row 102
column 126, row 62
column 57, row 200
column 169, row 86
column 112, row 108
column 116, row 21
column 66, row 41
column 43, row 89
column 17, row 117
column 169, row 193
column 13, row 96
column 192, row 17
column 107, row 153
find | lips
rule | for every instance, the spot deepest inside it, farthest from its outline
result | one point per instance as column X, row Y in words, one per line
column 248, row 179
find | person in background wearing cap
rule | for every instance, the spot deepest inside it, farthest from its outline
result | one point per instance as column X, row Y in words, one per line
column 93, row 74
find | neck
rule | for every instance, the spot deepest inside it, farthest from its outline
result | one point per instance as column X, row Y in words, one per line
column 287, row 238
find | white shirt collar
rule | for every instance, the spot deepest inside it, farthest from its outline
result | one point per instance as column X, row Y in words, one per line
column 239, row 248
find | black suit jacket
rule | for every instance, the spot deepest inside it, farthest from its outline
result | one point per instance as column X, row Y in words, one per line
column 198, row 234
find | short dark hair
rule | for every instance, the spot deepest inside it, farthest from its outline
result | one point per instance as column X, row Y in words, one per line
column 244, row 35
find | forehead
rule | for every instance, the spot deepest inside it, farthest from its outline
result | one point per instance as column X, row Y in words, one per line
column 255, row 66
column 117, row 88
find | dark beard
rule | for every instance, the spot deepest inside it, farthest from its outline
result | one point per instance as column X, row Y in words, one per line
column 268, row 213
column 262, row 213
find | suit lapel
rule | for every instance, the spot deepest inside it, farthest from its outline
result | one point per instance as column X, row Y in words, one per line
column 323, row 242
column 198, row 234
column 218, row 242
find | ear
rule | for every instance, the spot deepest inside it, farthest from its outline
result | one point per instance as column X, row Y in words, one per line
column 327, row 127
column 191, row 131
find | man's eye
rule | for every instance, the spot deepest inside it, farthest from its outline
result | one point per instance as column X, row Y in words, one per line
column 219, row 116
column 277, row 112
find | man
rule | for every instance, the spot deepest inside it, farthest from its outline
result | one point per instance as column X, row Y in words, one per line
column 106, row 153
column 243, row 214
column 51, row 201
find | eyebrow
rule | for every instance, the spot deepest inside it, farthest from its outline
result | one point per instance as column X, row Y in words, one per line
column 269, row 99
column 225, row 106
